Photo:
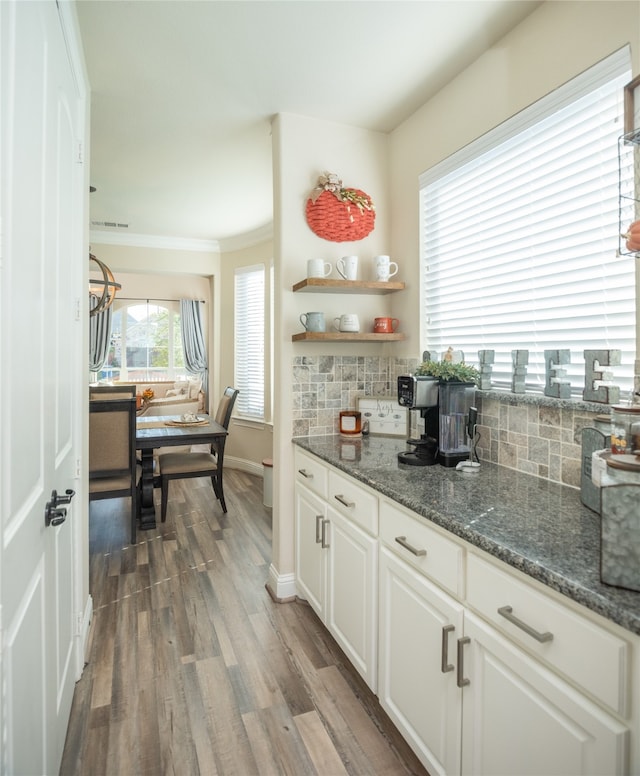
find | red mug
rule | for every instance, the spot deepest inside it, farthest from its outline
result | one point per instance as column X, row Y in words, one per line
column 385, row 325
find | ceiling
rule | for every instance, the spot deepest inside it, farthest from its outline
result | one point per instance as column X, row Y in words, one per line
column 183, row 94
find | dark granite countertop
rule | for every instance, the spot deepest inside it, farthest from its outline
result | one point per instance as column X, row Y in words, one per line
column 539, row 527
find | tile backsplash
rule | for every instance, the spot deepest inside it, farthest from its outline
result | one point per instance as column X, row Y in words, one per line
column 524, row 432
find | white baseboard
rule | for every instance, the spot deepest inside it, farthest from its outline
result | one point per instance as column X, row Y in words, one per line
column 281, row 587
column 243, row 465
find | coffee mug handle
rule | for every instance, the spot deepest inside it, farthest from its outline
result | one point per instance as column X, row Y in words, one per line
column 394, row 324
column 327, row 269
column 340, row 268
column 395, row 271
column 303, row 322
column 336, row 323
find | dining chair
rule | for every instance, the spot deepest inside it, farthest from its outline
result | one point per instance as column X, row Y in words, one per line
column 111, row 391
column 174, row 466
column 113, row 468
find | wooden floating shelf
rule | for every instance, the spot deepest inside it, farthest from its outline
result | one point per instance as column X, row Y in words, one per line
column 321, row 336
column 326, row 285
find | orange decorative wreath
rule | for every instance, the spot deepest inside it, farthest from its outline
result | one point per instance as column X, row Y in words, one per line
column 338, row 214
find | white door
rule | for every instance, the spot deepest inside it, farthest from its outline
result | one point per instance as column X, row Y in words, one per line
column 41, row 252
column 311, row 556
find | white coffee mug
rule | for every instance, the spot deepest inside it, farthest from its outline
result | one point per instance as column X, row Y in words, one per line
column 313, row 321
column 347, row 322
column 318, row 268
column 347, row 266
column 385, row 268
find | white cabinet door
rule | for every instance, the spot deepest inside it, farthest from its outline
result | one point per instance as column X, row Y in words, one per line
column 311, row 550
column 520, row 719
column 352, row 594
column 419, row 628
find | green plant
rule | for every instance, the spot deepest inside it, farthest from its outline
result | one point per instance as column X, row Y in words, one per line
column 446, row 371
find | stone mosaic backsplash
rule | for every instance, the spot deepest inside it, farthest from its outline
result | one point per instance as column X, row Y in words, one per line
column 527, row 432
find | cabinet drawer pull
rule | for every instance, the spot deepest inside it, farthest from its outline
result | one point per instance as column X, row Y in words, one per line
column 344, row 501
column 506, row 612
column 305, row 473
column 325, row 543
column 445, row 664
column 402, row 541
column 461, row 681
column 318, row 528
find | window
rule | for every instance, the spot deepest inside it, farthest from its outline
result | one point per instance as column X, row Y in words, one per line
column 146, row 344
column 250, row 332
column 519, row 236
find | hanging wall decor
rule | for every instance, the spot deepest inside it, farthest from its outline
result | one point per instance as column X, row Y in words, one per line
column 339, row 214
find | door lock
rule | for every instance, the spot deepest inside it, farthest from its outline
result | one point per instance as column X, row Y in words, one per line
column 54, row 514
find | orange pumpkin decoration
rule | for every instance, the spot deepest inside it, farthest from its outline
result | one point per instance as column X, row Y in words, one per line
column 338, row 214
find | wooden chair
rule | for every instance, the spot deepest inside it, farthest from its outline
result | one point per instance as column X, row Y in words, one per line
column 174, row 466
column 113, row 469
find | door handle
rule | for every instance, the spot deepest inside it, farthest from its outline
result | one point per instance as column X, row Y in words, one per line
column 55, row 514
column 445, row 665
column 318, row 528
column 460, row 680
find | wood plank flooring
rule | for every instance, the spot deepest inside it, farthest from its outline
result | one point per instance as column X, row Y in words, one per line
column 193, row 669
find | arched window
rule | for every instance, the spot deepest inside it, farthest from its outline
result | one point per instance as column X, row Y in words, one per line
column 146, row 343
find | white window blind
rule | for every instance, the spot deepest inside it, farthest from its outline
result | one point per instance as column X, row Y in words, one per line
column 519, row 234
column 250, row 340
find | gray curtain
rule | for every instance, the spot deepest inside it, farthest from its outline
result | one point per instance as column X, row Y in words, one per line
column 195, row 353
column 99, row 336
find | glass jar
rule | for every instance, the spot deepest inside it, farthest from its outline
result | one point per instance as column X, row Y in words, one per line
column 625, row 430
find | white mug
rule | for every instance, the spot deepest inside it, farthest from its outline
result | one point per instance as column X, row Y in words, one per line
column 384, row 267
column 318, row 268
column 347, row 322
column 347, row 266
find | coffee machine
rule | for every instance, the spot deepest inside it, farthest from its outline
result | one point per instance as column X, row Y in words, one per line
column 420, row 392
column 449, row 420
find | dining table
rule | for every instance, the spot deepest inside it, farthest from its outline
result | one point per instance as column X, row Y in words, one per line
column 169, row 431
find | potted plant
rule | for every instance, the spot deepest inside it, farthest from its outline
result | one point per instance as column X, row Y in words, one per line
column 447, row 371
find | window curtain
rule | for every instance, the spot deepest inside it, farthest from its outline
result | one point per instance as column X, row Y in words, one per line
column 99, row 336
column 193, row 345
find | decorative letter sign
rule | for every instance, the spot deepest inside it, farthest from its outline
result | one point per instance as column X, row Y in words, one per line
column 557, row 385
column 485, row 358
column 593, row 361
column 520, row 359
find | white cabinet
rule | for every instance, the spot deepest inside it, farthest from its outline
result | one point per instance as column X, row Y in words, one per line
column 336, row 557
column 520, row 718
column 470, row 699
column 419, row 625
column 352, row 602
column 483, row 670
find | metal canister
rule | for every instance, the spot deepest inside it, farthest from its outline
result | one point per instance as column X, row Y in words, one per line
column 625, row 430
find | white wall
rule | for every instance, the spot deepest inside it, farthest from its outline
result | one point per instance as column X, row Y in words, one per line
column 303, row 149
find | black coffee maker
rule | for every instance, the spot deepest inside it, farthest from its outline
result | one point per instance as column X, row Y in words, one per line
column 420, row 392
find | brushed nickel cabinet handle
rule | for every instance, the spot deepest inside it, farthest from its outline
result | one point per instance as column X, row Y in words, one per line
column 318, row 528
column 507, row 613
column 461, row 681
column 344, row 501
column 445, row 664
column 305, row 473
column 325, row 543
column 402, row 541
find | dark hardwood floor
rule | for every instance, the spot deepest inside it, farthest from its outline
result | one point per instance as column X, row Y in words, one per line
column 193, row 669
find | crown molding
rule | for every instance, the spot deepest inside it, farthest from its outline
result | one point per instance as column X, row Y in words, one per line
column 153, row 241
column 248, row 239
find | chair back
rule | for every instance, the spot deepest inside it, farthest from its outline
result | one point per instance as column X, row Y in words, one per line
column 225, row 406
column 111, row 391
column 113, row 469
column 112, row 441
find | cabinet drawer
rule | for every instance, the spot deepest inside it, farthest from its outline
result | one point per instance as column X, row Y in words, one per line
column 580, row 649
column 423, row 547
column 355, row 502
column 311, row 472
